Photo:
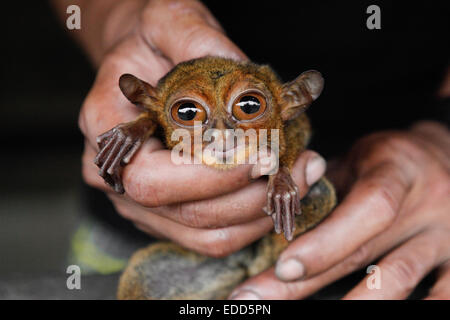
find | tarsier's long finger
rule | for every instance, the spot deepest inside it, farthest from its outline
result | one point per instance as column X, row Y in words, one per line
column 292, row 203
column 105, row 157
column 287, row 218
column 116, row 162
column 104, row 151
column 135, row 147
column 293, row 208
column 115, row 169
column 269, row 208
column 277, row 220
column 118, row 185
column 111, row 156
column 298, row 207
column 103, row 138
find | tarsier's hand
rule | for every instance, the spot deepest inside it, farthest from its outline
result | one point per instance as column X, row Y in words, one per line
column 283, row 202
column 117, row 147
column 196, row 206
column 396, row 206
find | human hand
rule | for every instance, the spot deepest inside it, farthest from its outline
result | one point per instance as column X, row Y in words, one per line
column 196, row 206
column 396, row 206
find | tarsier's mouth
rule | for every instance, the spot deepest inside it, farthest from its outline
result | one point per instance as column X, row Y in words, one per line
column 268, row 161
column 232, row 155
column 226, row 153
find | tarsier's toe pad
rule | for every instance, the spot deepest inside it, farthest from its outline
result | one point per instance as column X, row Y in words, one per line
column 283, row 202
column 117, row 146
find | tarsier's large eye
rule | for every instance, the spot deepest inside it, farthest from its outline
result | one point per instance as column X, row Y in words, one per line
column 187, row 112
column 249, row 106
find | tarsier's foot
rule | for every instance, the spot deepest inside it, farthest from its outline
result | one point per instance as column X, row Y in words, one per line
column 283, row 202
column 117, row 147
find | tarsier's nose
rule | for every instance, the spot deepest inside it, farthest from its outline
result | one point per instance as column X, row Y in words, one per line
column 225, row 140
column 228, row 134
column 222, row 124
column 224, row 136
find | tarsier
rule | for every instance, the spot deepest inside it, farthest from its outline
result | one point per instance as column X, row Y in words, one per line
column 223, row 94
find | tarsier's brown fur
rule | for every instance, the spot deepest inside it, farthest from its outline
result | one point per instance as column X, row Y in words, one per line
column 167, row 271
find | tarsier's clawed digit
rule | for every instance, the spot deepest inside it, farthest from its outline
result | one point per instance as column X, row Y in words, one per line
column 111, row 144
column 117, row 147
column 221, row 94
column 283, row 202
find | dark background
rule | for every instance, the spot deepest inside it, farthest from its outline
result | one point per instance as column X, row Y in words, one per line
column 375, row 79
column 44, row 78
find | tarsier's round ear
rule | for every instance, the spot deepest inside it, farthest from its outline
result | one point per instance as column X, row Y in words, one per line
column 137, row 91
column 298, row 94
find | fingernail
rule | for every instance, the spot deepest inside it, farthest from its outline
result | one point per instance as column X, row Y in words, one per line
column 315, row 169
column 289, row 270
column 245, row 294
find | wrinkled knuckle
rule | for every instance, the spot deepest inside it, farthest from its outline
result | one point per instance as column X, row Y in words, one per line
column 391, row 146
column 359, row 258
column 198, row 38
column 388, row 205
column 143, row 193
column 190, row 215
column 405, row 271
column 383, row 198
column 407, row 151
